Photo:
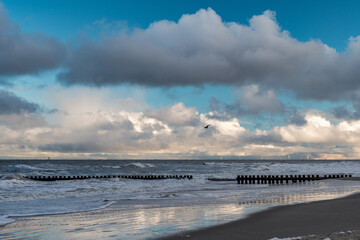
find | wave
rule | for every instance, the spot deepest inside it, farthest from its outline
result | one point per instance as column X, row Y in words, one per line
column 117, row 167
column 209, row 163
column 6, row 219
column 138, row 165
column 15, row 176
column 26, row 167
column 222, row 164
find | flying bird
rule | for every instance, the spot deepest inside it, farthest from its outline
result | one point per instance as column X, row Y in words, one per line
column 207, row 126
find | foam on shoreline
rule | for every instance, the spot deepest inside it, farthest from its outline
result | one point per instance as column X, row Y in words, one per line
column 6, row 219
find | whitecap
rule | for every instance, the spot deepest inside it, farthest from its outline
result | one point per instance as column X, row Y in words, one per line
column 27, row 167
column 140, row 165
column 5, row 220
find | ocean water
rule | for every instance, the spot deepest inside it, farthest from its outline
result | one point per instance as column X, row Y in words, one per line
column 140, row 209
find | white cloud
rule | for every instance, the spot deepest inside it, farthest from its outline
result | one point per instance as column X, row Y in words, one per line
column 92, row 127
column 177, row 114
column 139, row 135
column 202, row 49
column 230, row 127
column 320, row 130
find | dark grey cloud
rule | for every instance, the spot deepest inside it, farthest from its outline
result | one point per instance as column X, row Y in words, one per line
column 26, row 53
column 252, row 101
column 297, row 119
column 19, row 114
column 202, row 49
column 269, row 137
column 343, row 112
column 12, row 104
column 350, row 111
column 70, row 147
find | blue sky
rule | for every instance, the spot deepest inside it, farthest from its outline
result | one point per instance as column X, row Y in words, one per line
column 333, row 22
column 273, row 78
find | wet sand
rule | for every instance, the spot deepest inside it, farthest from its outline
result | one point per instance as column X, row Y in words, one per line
column 315, row 218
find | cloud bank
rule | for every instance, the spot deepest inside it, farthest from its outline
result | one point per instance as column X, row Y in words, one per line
column 173, row 131
column 202, row 49
column 198, row 49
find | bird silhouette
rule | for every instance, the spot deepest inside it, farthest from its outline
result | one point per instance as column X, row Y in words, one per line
column 207, row 126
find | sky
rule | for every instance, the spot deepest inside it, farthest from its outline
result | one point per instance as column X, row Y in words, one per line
column 141, row 79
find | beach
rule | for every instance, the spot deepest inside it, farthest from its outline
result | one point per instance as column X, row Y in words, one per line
column 132, row 209
column 323, row 218
column 336, row 219
column 165, row 120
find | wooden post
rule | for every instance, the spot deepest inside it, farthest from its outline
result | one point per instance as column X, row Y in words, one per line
column 295, row 178
column 266, row 179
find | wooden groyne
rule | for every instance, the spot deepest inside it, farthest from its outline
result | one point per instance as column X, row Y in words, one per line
column 279, row 179
column 141, row 177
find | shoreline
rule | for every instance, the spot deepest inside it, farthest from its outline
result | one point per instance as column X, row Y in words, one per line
column 254, row 229
column 304, row 219
column 159, row 214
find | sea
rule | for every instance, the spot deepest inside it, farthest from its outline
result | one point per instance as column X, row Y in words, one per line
column 118, row 208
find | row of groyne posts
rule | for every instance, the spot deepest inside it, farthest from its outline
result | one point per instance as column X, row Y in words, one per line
column 142, row 177
column 241, row 179
column 280, row 179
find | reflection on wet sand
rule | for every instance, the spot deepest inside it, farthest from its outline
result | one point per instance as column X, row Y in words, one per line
column 120, row 223
column 124, row 221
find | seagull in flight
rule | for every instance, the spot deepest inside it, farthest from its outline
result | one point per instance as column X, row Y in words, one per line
column 207, row 126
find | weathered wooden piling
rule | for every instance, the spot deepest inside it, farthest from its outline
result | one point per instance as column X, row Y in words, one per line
column 280, row 179
column 81, row 177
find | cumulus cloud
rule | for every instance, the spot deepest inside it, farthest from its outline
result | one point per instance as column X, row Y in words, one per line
column 138, row 134
column 202, row 49
column 319, row 130
column 26, row 53
column 174, row 131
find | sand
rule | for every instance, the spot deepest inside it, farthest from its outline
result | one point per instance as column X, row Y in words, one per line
column 332, row 219
column 326, row 219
